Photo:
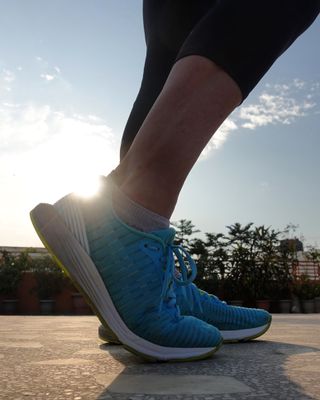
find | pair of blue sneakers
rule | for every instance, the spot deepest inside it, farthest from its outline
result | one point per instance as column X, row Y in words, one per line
column 129, row 279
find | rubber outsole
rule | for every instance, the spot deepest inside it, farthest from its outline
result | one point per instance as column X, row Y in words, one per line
column 246, row 335
column 74, row 261
column 106, row 335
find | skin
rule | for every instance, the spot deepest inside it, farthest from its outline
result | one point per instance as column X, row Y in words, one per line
column 195, row 100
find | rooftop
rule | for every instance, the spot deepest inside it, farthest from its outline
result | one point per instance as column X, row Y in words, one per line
column 62, row 358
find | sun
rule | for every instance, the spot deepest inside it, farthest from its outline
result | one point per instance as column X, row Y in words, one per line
column 87, row 186
column 60, row 167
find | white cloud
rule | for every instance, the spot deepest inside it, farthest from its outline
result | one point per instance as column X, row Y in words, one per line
column 8, row 76
column 44, row 154
column 315, row 87
column 219, row 137
column 272, row 109
column 24, row 126
column 298, row 83
column 49, row 72
column 279, row 104
column 47, row 77
column 47, row 153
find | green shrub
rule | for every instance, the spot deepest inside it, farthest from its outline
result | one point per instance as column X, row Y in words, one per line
column 49, row 278
column 304, row 288
column 11, row 269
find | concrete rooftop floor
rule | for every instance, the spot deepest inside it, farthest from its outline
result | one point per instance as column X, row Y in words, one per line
column 61, row 357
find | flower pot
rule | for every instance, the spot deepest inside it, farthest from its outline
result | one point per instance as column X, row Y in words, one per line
column 317, row 304
column 10, row 306
column 80, row 306
column 296, row 305
column 308, row 306
column 264, row 304
column 285, row 306
column 46, row 306
column 237, row 303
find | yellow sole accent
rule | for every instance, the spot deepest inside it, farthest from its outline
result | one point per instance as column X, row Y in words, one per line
column 106, row 338
column 103, row 322
column 73, row 280
column 173, row 360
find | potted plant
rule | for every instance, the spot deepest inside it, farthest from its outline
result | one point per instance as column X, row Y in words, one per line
column 285, row 301
column 11, row 268
column 263, row 299
column 232, row 291
column 313, row 254
column 50, row 281
column 262, row 285
column 304, row 289
column 317, row 297
column 282, row 282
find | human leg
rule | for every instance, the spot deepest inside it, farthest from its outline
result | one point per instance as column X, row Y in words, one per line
column 95, row 247
column 123, row 257
column 191, row 105
column 195, row 100
column 236, row 323
column 167, row 24
column 154, row 188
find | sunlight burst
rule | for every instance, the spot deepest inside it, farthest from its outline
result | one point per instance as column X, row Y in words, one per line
column 87, row 186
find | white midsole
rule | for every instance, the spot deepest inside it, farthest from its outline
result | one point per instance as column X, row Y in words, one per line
column 243, row 333
column 75, row 259
column 240, row 334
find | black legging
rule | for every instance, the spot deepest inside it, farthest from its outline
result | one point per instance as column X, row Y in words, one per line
column 244, row 37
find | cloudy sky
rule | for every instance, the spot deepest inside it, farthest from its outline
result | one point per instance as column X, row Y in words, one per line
column 69, row 72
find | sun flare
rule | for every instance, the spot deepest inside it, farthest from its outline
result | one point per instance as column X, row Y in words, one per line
column 71, row 161
column 87, row 186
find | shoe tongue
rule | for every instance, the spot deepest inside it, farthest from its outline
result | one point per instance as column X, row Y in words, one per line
column 166, row 235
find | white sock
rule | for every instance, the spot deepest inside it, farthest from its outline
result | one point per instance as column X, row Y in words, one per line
column 135, row 215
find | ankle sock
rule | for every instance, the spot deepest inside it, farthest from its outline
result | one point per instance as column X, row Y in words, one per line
column 135, row 215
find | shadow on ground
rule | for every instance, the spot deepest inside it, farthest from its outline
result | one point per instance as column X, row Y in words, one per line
column 253, row 370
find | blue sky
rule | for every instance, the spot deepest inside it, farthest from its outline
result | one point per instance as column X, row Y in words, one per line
column 69, row 73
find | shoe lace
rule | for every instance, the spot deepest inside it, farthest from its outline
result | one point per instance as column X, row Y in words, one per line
column 168, row 294
column 195, row 297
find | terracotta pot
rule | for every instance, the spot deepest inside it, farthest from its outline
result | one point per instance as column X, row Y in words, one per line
column 47, row 306
column 296, row 305
column 317, row 304
column 308, row 306
column 285, row 306
column 264, row 304
column 10, row 306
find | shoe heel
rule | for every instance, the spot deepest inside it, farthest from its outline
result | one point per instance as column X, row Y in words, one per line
column 71, row 256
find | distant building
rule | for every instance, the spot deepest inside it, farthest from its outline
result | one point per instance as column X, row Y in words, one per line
column 311, row 269
column 291, row 244
column 34, row 252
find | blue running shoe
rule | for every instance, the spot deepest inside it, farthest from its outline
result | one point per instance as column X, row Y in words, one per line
column 126, row 275
column 235, row 323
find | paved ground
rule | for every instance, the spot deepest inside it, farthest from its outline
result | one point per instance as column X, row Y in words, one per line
column 62, row 358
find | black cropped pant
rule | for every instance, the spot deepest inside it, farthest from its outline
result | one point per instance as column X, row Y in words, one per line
column 244, row 37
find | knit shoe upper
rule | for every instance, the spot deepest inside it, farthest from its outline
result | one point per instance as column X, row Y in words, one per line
column 235, row 323
column 137, row 270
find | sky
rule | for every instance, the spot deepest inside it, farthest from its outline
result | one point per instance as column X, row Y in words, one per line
column 69, row 73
